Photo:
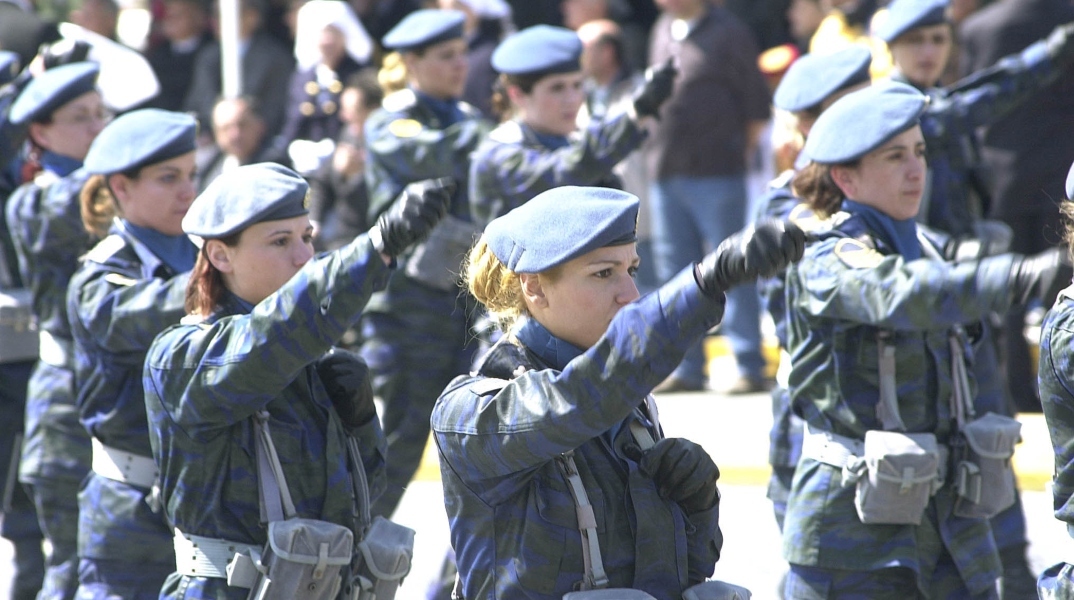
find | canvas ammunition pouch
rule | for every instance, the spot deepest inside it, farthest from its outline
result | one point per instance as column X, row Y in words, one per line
column 984, row 477
column 716, row 590
column 437, row 262
column 18, row 328
column 608, row 594
column 898, row 473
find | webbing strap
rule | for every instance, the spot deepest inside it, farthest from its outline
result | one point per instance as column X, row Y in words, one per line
column 276, row 504
column 595, row 577
column 887, row 410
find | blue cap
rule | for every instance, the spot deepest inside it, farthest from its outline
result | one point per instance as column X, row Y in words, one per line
column 140, row 138
column 423, row 28
column 904, row 15
column 813, row 77
column 541, row 49
column 52, row 89
column 561, row 224
column 862, row 121
column 9, row 66
column 245, row 196
column 1070, row 183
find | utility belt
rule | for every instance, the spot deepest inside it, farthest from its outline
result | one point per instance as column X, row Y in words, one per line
column 18, row 327
column 199, row 556
column 55, row 351
column 120, row 465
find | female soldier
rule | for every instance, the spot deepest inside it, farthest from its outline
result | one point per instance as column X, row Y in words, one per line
column 128, row 289
column 263, row 315
column 422, row 131
column 1056, row 379
column 64, row 113
column 878, row 346
column 540, row 87
column 563, row 396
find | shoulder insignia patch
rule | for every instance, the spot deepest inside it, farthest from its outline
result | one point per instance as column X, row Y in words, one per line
column 856, row 255
column 105, row 249
column 488, row 386
column 117, row 279
column 404, row 128
column 399, row 101
column 507, row 133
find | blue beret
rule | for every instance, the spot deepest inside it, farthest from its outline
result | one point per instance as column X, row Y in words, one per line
column 423, row 28
column 561, row 224
column 1070, row 183
column 140, row 138
column 246, row 196
column 541, row 49
column 862, row 121
column 52, row 89
column 9, row 66
column 904, row 15
column 812, row 78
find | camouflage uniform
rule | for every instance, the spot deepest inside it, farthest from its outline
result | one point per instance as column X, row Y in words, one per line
column 837, row 303
column 1055, row 376
column 205, row 381
column 120, row 299
column 514, row 525
column 46, row 226
column 515, row 163
column 416, row 337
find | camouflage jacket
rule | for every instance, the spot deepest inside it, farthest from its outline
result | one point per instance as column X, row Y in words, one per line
column 849, row 287
column 512, row 165
column 1056, row 379
column 499, row 433
column 204, row 381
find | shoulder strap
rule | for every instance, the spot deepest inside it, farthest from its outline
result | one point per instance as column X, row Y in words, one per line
column 276, row 504
column 887, row 410
column 595, row 577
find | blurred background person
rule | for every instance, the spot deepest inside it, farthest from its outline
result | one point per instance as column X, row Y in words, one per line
column 185, row 29
column 487, row 22
column 241, row 139
column 99, row 16
column 803, row 19
column 22, row 30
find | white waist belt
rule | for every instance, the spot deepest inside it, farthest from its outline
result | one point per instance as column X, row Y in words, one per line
column 199, row 556
column 831, row 448
column 55, row 352
column 123, row 466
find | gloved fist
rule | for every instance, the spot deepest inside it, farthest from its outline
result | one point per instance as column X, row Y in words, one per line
column 413, row 215
column 1059, row 44
column 346, row 378
column 1041, row 276
column 683, row 472
column 652, row 94
column 760, row 250
column 63, row 52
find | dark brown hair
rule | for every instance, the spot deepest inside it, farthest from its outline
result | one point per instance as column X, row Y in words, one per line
column 205, row 290
column 501, row 103
column 815, row 185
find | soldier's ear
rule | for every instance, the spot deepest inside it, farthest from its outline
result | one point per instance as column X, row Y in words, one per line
column 219, row 256
column 845, row 180
column 532, row 290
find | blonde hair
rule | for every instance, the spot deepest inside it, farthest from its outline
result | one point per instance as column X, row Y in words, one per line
column 392, row 75
column 98, row 206
column 494, row 285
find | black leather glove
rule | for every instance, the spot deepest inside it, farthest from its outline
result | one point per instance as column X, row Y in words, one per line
column 760, row 250
column 1041, row 276
column 413, row 215
column 683, row 472
column 1060, row 44
column 652, row 94
column 346, row 378
column 63, row 52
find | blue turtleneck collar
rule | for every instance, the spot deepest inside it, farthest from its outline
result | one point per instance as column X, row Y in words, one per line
column 59, row 164
column 552, row 350
column 176, row 251
column 900, row 235
column 446, row 111
column 551, row 141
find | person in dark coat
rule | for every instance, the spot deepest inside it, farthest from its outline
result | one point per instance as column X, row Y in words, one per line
column 186, row 31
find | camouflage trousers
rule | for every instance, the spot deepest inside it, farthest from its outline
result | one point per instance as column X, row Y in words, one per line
column 813, row 583
column 56, row 501
column 785, row 447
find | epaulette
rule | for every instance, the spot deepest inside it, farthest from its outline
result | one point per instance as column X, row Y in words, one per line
column 856, row 254
column 399, row 101
column 782, row 180
column 43, row 179
column 120, row 279
column 194, row 320
column 507, row 133
column 807, row 219
column 106, row 249
column 488, row 385
column 469, row 109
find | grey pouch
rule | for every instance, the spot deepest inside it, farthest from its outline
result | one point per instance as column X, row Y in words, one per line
column 716, row 590
column 303, row 560
column 437, row 261
column 608, row 594
column 984, row 478
column 382, row 560
column 18, row 330
column 899, row 471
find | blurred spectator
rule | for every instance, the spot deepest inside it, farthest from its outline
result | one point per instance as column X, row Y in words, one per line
column 330, row 46
column 634, row 34
column 804, row 17
column 241, row 139
column 765, row 18
column 1025, row 158
column 22, row 31
column 339, row 199
column 266, row 69
column 698, row 193
column 527, row 13
column 379, row 16
column 848, row 22
column 185, row 27
column 487, row 21
column 99, row 16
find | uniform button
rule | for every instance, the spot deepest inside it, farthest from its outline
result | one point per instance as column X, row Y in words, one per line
column 306, row 108
column 335, row 87
column 312, row 88
column 329, row 107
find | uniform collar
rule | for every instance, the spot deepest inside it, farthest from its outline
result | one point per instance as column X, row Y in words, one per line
column 549, row 348
column 900, row 235
column 59, row 164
